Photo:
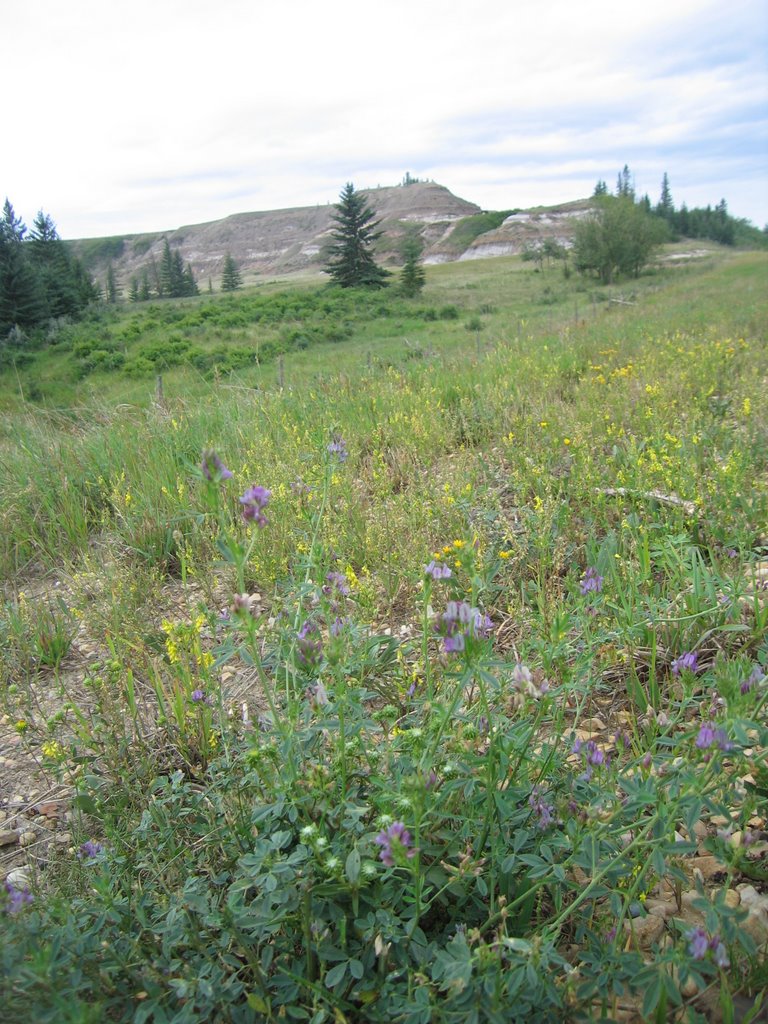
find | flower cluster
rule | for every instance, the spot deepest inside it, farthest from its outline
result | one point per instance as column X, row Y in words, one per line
column 709, row 736
column 545, row 813
column 700, row 943
column 755, row 676
column 337, row 449
column 591, row 583
column 254, row 501
column 395, row 843
column 309, row 645
column 522, row 680
column 90, row 849
column 214, row 469
column 687, row 662
column 459, row 623
column 16, row 898
column 336, row 586
column 437, row 571
column 593, row 756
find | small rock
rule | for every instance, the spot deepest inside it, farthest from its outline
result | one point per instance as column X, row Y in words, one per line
column 732, row 898
column 700, row 830
column 18, row 878
column 645, row 931
column 636, row 909
column 27, row 838
column 63, row 838
column 709, row 867
column 690, row 988
column 660, row 908
column 52, row 809
column 8, row 836
column 593, row 725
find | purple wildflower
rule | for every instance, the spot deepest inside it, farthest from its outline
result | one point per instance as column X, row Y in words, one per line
column 756, row 676
column 719, row 952
column 591, row 582
column 309, row 645
column 318, row 695
column 394, row 841
column 197, row 696
column 254, row 501
column 437, row 571
column 90, row 849
column 337, row 626
column 698, row 943
column 522, row 680
column 459, row 623
column 544, row 812
column 686, row 662
column 709, row 736
column 336, row 585
column 338, row 448
column 17, row 898
column 213, row 468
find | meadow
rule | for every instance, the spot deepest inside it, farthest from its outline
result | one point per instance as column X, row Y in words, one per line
column 403, row 660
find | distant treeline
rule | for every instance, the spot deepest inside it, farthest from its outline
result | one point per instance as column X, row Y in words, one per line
column 40, row 281
column 713, row 223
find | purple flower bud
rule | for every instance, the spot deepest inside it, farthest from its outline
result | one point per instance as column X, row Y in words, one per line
column 338, row 448
column 698, row 943
column 213, row 468
column 437, row 570
column 687, row 662
column 394, row 841
column 254, row 501
column 17, row 898
column 591, row 582
column 90, row 849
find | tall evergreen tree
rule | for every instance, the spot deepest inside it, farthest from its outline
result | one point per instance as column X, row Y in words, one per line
column 110, row 288
column 625, row 188
column 350, row 257
column 231, row 279
column 665, row 207
column 412, row 276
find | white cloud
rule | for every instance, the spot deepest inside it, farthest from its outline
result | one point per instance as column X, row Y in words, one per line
column 143, row 116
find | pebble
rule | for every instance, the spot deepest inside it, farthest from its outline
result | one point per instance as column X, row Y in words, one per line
column 593, row 725
column 8, row 836
column 644, row 931
column 63, row 838
column 660, row 908
column 18, row 878
column 27, row 838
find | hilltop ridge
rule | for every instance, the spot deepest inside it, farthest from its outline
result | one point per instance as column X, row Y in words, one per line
column 290, row 241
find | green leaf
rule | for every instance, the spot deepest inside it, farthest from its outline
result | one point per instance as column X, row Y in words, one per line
column 255, row 1002
column 334, row 976
column 85, row 803
column 352, row 866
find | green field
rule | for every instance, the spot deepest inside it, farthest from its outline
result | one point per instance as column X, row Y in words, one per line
column 322, row 783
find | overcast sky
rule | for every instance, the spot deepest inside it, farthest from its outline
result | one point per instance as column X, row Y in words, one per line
column 146, row 115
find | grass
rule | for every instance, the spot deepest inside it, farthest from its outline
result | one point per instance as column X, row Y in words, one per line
column 320, row 783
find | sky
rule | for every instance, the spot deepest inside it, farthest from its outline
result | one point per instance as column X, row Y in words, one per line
column 122, row 117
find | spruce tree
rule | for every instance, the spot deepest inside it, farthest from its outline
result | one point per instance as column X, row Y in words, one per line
column 350, row 257
column 231, row 279
column 412, row 276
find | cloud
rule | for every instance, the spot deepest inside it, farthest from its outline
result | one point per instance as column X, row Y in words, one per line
column 144, row 116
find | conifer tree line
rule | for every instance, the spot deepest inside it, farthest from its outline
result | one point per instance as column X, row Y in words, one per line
column 40, row 280
column 168, row 279
column 705, row 222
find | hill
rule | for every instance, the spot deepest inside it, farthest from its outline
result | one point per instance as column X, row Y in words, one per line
column 279, row 242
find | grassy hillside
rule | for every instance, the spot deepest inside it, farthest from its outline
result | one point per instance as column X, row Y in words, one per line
column 464, row 712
